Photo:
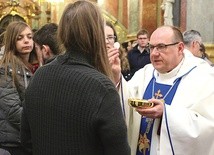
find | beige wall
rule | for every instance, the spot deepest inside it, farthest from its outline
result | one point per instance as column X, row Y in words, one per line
column 200, row 16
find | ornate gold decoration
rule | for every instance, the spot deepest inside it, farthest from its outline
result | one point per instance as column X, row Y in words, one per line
column 27, row 9
column 158, row 94
column 144, row 143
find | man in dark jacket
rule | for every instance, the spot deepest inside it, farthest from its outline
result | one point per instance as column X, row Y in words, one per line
column 139, row 56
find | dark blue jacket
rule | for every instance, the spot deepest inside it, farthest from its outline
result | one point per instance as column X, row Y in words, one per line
column 138, row 60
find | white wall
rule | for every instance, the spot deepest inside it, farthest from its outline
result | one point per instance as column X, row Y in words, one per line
column 200, row 16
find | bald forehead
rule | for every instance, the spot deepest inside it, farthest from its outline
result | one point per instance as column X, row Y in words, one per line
column 164, row 29
column 162, row 35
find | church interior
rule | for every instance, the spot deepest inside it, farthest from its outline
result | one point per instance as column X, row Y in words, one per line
column 128, row 16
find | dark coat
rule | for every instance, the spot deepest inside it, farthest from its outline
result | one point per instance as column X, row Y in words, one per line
column 11, row 98
column 138, row 60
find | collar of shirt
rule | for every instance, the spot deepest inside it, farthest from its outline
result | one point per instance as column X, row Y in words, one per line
column 142, row 49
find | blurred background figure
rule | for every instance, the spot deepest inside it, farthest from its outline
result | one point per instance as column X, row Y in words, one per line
column 15, row 72
column 128, row 45
column 204, row 54
column 192, row 42
column 139, row 56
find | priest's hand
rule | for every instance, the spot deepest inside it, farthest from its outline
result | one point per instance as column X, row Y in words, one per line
column 154, row 112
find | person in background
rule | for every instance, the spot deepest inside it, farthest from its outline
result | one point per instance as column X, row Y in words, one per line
column 192, row 42
column 15, row 72
column 204, row 54
column 139, row 56
column 128, row 45
column 46, row 43
column 182, row 104
column 34, row 57
column 111, row 38
column 78, row 111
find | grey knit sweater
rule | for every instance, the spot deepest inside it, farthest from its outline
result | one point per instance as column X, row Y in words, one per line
column 72, row 109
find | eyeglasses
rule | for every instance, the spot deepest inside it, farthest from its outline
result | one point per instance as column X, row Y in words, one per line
column 161, row 47
column 111, row 38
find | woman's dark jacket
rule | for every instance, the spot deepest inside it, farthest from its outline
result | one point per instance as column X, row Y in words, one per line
column 11, row 97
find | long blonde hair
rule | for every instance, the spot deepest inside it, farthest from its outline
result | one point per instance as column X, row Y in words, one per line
column 82, row 28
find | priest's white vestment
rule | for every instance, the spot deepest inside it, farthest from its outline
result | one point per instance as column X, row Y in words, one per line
column 190, row 117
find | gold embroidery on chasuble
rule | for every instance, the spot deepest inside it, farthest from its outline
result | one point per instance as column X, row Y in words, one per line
column 144, row 142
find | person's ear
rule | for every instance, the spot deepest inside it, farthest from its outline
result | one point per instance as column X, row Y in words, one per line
column 180, row 47
column 195, row 43
column 46, row 49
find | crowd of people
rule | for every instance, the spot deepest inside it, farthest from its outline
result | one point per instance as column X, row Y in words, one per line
column 64, row 89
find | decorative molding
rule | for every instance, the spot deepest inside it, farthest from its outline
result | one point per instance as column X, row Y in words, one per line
column 28, row 10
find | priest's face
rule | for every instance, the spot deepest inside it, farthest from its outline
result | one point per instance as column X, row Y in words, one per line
column 166, row 53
